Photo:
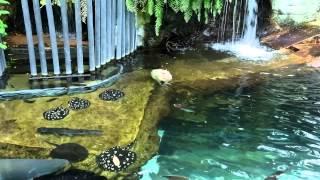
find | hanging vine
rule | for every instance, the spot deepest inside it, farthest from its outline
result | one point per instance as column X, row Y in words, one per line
column 200, row 8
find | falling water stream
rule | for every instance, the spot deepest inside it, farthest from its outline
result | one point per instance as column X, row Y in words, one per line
column 245, row 45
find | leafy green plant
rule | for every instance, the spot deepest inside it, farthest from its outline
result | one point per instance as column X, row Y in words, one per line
column 203, row 9
column 3, row 25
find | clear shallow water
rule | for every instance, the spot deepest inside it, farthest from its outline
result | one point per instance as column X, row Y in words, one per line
column 249, row 132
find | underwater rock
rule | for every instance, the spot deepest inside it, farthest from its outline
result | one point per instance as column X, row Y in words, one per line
column 116, row 159
column 71, row 151
column 111, row 95
column 162, row 76
column 69, row 132
column 57, row 113
column 30, row 168
column 77, row 103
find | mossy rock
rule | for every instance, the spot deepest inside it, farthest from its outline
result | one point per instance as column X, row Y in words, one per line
column 119, row 120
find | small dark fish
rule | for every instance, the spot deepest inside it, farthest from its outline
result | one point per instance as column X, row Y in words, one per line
column 52, row 99
column 174, row 177
column 69, row 132
column 12, row 86
column 72, row 152
column 116, row 159
column 275, row 175
column 57, row 113
column 29, row 101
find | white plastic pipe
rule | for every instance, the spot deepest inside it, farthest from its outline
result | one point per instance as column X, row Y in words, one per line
column 42, row 52
column 53, row 38
column 27, row 24
column 65, row 29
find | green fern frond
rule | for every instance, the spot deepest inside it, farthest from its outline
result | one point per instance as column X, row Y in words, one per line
column 158, row 10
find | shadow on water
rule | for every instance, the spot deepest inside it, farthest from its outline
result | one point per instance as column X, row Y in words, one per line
column 267, row 130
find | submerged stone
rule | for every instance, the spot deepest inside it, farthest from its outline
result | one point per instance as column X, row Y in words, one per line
column 116, row 159
column 70, row 151
column 57, row 113
column 77, row 103
column 111, row 95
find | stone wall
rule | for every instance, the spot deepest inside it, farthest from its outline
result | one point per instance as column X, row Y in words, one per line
column 296, row 11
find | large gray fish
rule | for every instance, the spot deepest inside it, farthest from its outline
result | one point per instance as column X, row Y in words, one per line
column 15, row 169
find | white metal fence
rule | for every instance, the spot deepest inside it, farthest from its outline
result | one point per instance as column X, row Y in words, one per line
column 111, row 35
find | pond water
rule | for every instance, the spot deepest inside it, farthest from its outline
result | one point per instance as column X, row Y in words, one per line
column 229, row 119
column 267, row 129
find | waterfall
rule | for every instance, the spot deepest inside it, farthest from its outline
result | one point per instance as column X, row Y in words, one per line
column 245, row 45
column 251, row 21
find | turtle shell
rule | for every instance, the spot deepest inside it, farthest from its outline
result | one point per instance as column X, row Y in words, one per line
column 116, row 159
column 77, row 103
column 57, row 113
column 111, row 95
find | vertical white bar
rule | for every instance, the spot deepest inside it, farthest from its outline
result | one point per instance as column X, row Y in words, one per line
column 65, row 30
column 53, row 40
column 119, row 29
column 90, row 35
column 4, row 57
column 132, row 29
column 113, row 26
column 77, row 10
column 135, row 34
column 123, row 40
column 97, row 33
column 27, row 24
column 103, row 31
column 109, row 26
column 127, row 37
column 42, row 53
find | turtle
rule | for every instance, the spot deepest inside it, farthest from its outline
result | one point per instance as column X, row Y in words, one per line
column 57, row 113
column 116, row 159
column 78, row 103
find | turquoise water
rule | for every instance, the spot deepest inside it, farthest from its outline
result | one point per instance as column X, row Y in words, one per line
column 250, row 132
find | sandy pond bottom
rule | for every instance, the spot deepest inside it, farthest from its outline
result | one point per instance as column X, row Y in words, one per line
column 134, row 118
